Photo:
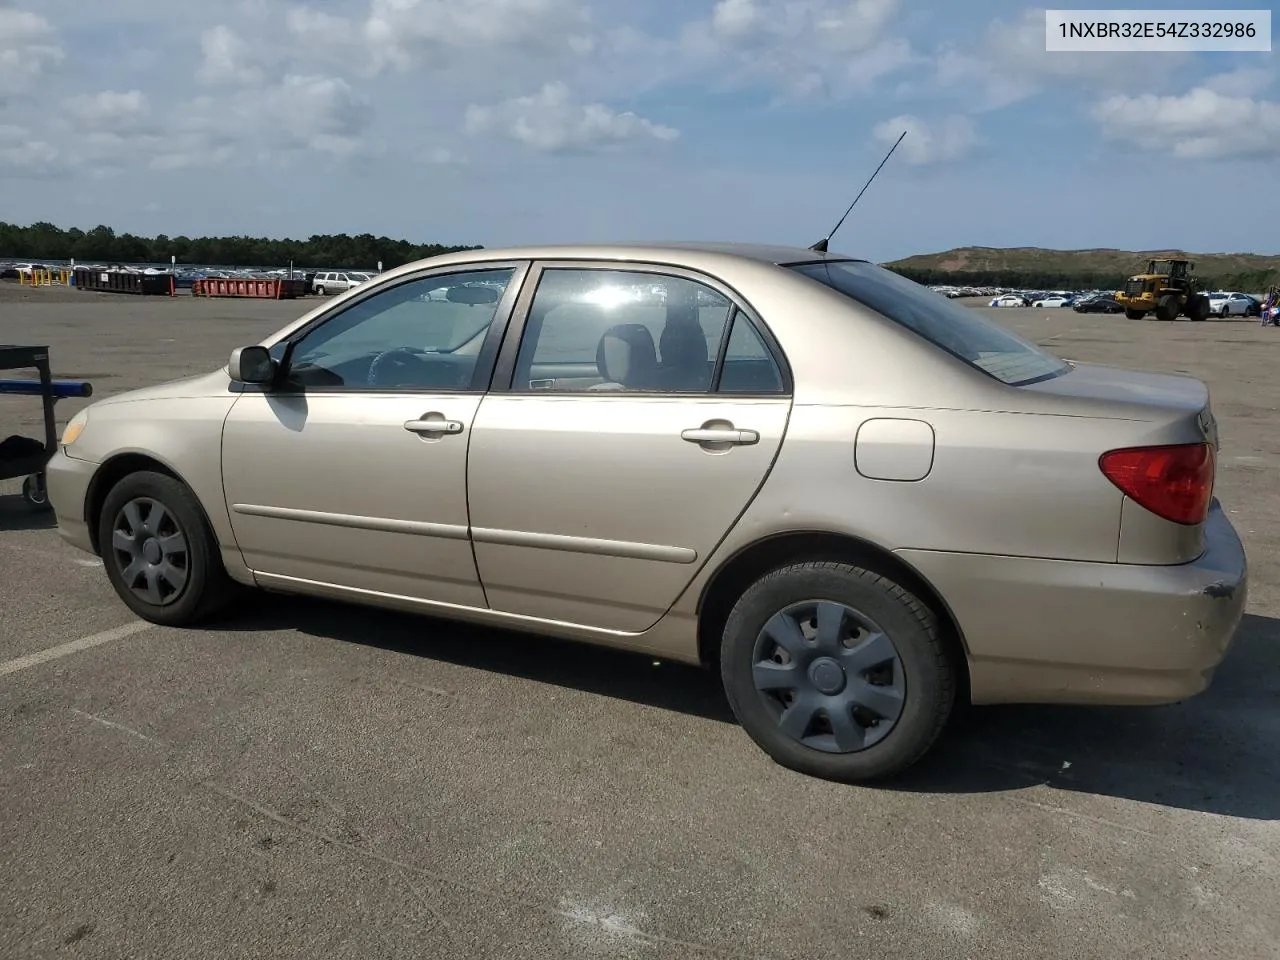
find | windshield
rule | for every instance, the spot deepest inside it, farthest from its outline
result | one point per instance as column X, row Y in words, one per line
column 961, row 331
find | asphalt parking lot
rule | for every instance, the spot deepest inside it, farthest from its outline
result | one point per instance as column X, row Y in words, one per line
column 311, row 780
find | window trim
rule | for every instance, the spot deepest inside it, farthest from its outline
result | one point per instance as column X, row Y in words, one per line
column 486, row 358
column 502, row 381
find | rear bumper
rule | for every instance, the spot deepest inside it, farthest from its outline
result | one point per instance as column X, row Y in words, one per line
column 68, row 483
column 1051, row 631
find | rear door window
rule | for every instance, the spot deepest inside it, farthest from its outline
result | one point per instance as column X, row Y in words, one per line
column 961, row 331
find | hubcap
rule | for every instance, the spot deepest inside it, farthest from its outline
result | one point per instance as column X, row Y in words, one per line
column 829, row 675
column 150, row 551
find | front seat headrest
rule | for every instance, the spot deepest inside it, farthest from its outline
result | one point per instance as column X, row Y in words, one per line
column 626, row 356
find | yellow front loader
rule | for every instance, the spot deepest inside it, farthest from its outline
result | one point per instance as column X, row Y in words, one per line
column 1166, row 291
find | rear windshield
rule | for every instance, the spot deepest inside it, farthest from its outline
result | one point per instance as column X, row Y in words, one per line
column 961, row 331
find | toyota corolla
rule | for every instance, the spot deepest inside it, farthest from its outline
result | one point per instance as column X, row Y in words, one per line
column 855, row 499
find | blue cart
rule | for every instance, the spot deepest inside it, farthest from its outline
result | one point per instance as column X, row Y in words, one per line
column 25, row 456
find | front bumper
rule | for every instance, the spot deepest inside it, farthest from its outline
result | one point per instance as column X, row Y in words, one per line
column 68, row 482
column 1053, row 631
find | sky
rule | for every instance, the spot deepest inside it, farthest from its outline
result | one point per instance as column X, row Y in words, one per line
column 499, row 122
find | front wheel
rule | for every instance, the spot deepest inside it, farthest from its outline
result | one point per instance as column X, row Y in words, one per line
column 1197, row 308
column 1168, row 308
column 836, row 671
column 1134, row 314
column 159, row 553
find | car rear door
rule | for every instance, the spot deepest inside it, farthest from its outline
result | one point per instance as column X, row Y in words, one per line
column 615, row 451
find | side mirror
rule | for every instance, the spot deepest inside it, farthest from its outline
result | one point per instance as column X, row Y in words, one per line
column 251, row 365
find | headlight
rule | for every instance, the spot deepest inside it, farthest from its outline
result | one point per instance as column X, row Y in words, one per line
column 75, row 426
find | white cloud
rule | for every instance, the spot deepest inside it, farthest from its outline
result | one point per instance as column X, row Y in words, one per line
column 442, row 157
column 803, row 48
column 550, row 121
column 927, row 144
column 1202, row 124
column 302, row 113
column 1010, row 64
column 29, row 48
column 1242, row 82
column 315, row 27
column 410, row 33
column 109, row 110
column 228, row 58
column 23, row 155
column 312, row 116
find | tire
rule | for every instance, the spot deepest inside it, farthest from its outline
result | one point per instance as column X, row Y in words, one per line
column 909, row 652
column 1198, row 308
column 205, row 588
column 34, row 492
column 1168, row 308
column 322, row 291
column 1134, row 314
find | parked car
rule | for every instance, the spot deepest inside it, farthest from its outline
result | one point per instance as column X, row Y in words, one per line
column 1224, row 304
column 555, row 448
column 1009, row 300
column 327, row 283
column 1098, row 305
column 1050, row 302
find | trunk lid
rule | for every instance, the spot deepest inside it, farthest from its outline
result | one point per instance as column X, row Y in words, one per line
column 1178, row 402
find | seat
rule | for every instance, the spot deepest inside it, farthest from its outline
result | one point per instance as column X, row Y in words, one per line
column 626, row 358
column 685, row 365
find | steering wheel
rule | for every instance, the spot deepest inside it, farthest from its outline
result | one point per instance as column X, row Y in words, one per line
column 392, row 356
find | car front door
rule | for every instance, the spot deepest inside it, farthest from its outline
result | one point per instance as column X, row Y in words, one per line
column 351, row 470
column 633, row 417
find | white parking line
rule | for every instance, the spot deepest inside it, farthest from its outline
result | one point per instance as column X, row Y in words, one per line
column 75, row 646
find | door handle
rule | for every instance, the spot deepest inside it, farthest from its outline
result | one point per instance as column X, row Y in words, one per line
column 720, row 435
column 433, row 423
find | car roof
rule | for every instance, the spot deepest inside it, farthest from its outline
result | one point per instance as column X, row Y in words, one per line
column 682, row 250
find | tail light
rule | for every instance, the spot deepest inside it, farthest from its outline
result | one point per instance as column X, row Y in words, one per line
column 1174, row 482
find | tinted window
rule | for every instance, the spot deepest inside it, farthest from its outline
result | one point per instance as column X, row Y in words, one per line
column 621, row 330
column 749, row 367
column 402, row 337
column 959, row 330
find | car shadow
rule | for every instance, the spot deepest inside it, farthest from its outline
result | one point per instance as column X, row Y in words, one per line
column 17, row 514
column 1213, row 753
column 599, row 670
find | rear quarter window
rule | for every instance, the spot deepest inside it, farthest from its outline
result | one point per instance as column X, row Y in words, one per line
column 959, row 330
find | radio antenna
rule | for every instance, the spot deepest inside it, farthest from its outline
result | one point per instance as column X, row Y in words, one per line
column 821, row 245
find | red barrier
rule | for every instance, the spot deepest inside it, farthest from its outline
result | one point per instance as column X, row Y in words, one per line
column 277, row 289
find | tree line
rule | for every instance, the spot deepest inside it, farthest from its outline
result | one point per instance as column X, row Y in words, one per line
column 1042, row 279
column 45, row 241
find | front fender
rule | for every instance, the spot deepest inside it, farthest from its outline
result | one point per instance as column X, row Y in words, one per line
column 183, row 435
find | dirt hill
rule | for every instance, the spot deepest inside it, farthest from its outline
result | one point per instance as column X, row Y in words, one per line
column 1036, row 265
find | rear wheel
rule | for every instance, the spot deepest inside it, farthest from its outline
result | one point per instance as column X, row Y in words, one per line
column 159, row 553
column 1134, row 314
column 836, row 671
column 1198, row 308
